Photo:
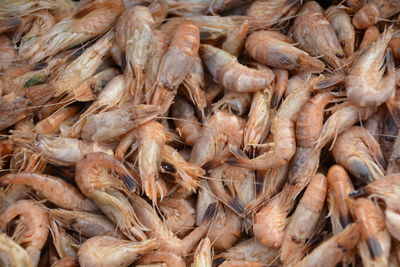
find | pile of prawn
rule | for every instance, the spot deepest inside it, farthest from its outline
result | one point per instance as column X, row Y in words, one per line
column 199, row 133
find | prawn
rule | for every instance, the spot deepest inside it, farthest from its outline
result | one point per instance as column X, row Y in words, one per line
column 12, row 254
column 364, row 83
column 303, row 222
column 183, row 48
column 95, row 182
column 60, row 151
column 316, row 35
column 374, row 247
column 270, row 49
column 341, row 23
column 166, row 239
column 53, row 189
column 358, row 151
column 203, row 254
column 371, row 12
column 333, row 250
column 34, row 224
column 283, row 124
column 151, row 138
column 340, row 204
column 167, row 257
column 89, row 21
column 52, row 124
column 231, row 74
column 106, row 251
column 7, row 53
column 134, row 34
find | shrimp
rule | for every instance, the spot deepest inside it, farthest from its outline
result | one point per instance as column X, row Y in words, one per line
column 231, row 74
column 42, row 23
column 109, row 126
column 386, row 188
column 109, row 97
column 134, row 34
column 374, row 247
column 85, row 223
column 58, row 150
column 53, row 189
column 316, row 35
column 194, row 84
column 310, row 119
column 51, row 125
column 151, row 138
column 340, row 205
column 259, row 119
column 283, row 124
column 106, row 251
column 12, row 254
column 370, row 13
column 69, row 81
column 341, row 23
column 267, row 48
column 7, row 53
column 233, row 102
column 89, row 21
column 264, row 14
column 169, row 258
column 179, row 215
column 166, row 240
column 187, row 124
column 225, row 229
column 220, row 130
column 106, row 191
column 304, row 220
column 250, row 250
column 357, row 151
column 65, row 245
column 365, row 85
column 332, row 251
column 183, row 48
column 19, row 105
column 33, row 222
column 344, row 116
column 203, row 254
column 185, row 173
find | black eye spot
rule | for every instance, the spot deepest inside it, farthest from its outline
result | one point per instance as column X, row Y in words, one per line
column 340, row 55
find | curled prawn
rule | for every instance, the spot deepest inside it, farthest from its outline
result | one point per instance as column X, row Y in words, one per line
column 358, row 151
column 34, row 224
column 94, row 180
column 106, row 251
column 53, row 189
column 283, row 128
column 371, row 12
column 231, row 74
column 365, row 85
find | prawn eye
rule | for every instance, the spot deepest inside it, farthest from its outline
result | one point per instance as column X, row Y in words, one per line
column 340, row 55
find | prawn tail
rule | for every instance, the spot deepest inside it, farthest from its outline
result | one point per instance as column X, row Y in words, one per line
column 276, row 99
column 331, row 81
column 310, row 64
column 211, row 212
column 363, row 191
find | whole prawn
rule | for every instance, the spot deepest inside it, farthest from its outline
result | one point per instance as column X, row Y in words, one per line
column 365, row 85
